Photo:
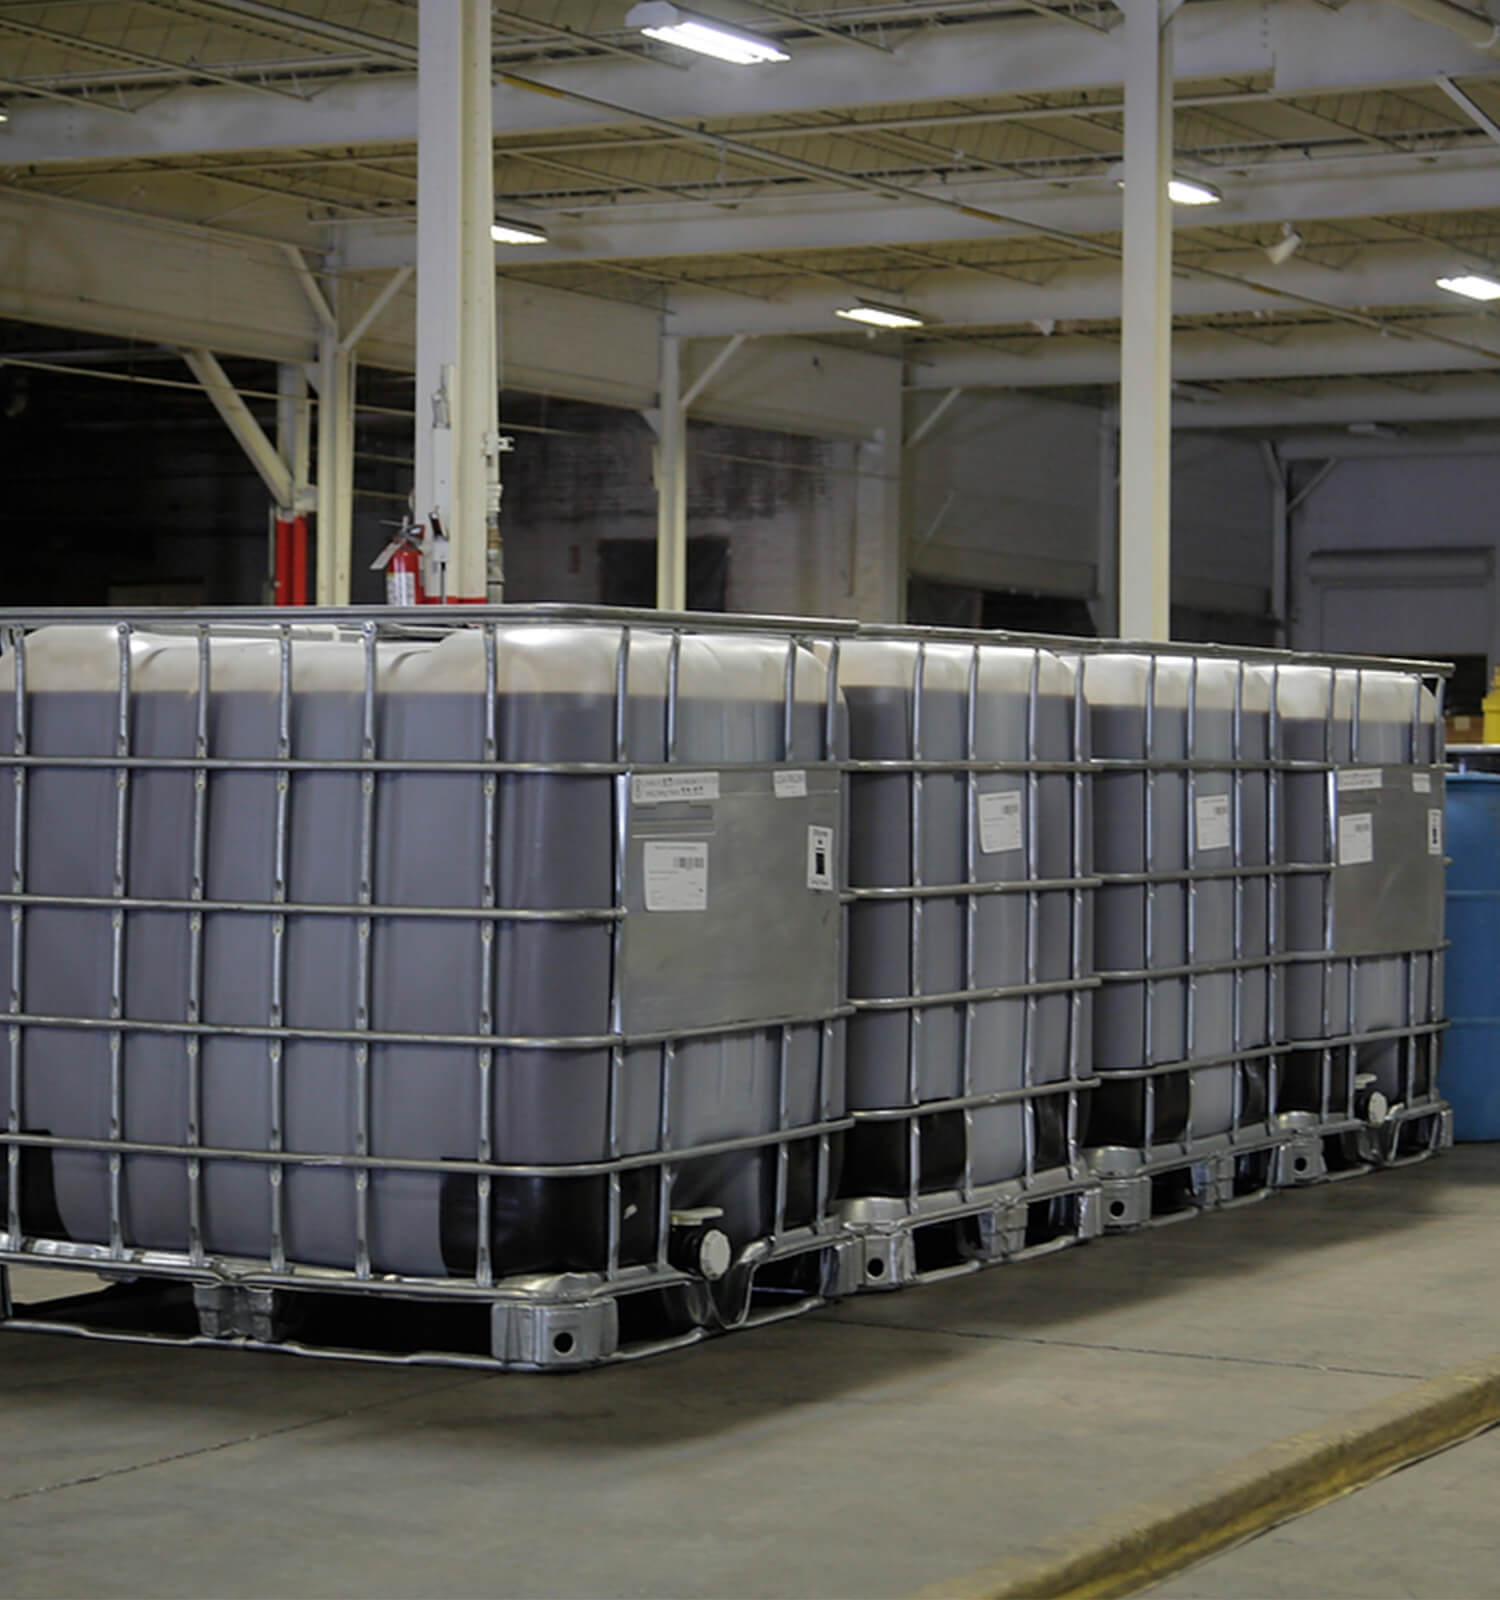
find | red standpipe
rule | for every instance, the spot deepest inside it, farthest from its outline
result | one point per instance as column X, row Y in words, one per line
column 299, row 560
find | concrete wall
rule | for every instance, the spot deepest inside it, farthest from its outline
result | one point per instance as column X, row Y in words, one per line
column 1005, row 492
column 1397, row 555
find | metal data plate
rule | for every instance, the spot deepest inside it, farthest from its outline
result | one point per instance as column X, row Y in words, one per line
column 731, row 898
column 1388, row 883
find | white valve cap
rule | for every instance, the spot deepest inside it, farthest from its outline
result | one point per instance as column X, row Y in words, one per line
column 1377, row 1108
column 714, row 1254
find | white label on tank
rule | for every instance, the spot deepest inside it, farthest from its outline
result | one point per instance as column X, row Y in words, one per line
column 657, row 788
column 1000, row 821
column 677, row 875
column 820, row 858
column 1356, row 840
column 1421, row 783
column 1213, row 821
column 789, row 785
column 1434, row 833
column 1359, row 778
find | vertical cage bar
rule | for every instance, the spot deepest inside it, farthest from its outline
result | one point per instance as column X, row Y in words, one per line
column 194, row 1041
column 17, row 640
column 1275, row 900
column 1331, row 852
column 914, row 1012
column 367, row 752
column 1081, row 862
column 617, row 942
column 484, row 1267
column 276, row 1049
column 1237, row 907
column 784, row 1046
column 1148, row 1007
column 117, row 944
column 1029, row 1013
column 1190, row 897
column 1356, row 970
column 827, row 1043
column 971, row 912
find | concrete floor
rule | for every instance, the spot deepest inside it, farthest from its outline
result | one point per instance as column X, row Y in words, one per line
column 864, row 1450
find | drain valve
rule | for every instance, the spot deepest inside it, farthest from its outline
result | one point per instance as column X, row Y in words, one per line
column 695, row 1245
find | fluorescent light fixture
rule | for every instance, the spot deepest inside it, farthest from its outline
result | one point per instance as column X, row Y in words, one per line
column 1181, row 191
column 1191, row 192
column 503, row 231
column 660, row 19
column 876, row 315
column 4, row 115
column 1472, row 285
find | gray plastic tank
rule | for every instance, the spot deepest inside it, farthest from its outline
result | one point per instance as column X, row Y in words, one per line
column 1151, row 829
column 412, row 841
column 948, row 702
column 1361, row 718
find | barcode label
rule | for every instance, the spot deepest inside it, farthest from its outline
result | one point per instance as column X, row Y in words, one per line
column 789, row 785
column 1434, row 833
column 1421, row 782
column 660, row 788
column 1000, row 821
column 1213, row 821
column 676, row 873
column 1356, row 840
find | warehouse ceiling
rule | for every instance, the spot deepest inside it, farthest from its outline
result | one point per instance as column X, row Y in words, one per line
column 958, row 157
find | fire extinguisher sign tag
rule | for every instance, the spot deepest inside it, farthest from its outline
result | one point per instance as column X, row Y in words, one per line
column 820, row 859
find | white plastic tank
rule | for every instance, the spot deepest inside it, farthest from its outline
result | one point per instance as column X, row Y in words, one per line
column 927, row 942
column 1333, row 719
column 428, row 987
column 1182, row 930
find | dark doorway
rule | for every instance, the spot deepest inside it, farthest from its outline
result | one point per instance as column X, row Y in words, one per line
column 627, row 573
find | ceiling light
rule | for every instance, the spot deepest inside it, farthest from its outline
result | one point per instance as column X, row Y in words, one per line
column 503, row 231
column 877, row 315
column 1191, row 192
column 1285, row 247
column 660, row 19
column 4, row 115
column 1181, row 191
column 1472, row 285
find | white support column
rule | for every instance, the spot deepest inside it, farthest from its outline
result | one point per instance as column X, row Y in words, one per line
column 1107, row 577
column 671, row 481
column 1145, row 576
column 294, row 429
column 335, row 501
column 457, row 472
column 1281, row 533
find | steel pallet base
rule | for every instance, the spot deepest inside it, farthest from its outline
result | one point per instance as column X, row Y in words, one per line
column 542, row 1323
column 896, row 1244
column 1319, row 1151
column 1170, row 1183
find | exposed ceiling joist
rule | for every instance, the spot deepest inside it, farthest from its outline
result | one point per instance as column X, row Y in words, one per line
column 1302, row 49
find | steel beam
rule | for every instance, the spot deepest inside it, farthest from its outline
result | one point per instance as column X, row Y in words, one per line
column 1306, row 49
column 248, row 433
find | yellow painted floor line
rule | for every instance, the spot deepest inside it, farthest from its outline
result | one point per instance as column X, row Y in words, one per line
column 1143, row 1544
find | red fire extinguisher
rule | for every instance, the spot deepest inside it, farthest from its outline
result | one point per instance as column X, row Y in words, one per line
column 402, row 561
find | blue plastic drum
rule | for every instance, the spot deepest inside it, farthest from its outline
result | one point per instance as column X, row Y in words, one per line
column 1469, row 1076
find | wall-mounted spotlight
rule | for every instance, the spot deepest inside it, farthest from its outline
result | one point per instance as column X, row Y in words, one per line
column 1471, row 285
column 504, row 231
column 876, row 315
column 1285, row 247
column 660, row 19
